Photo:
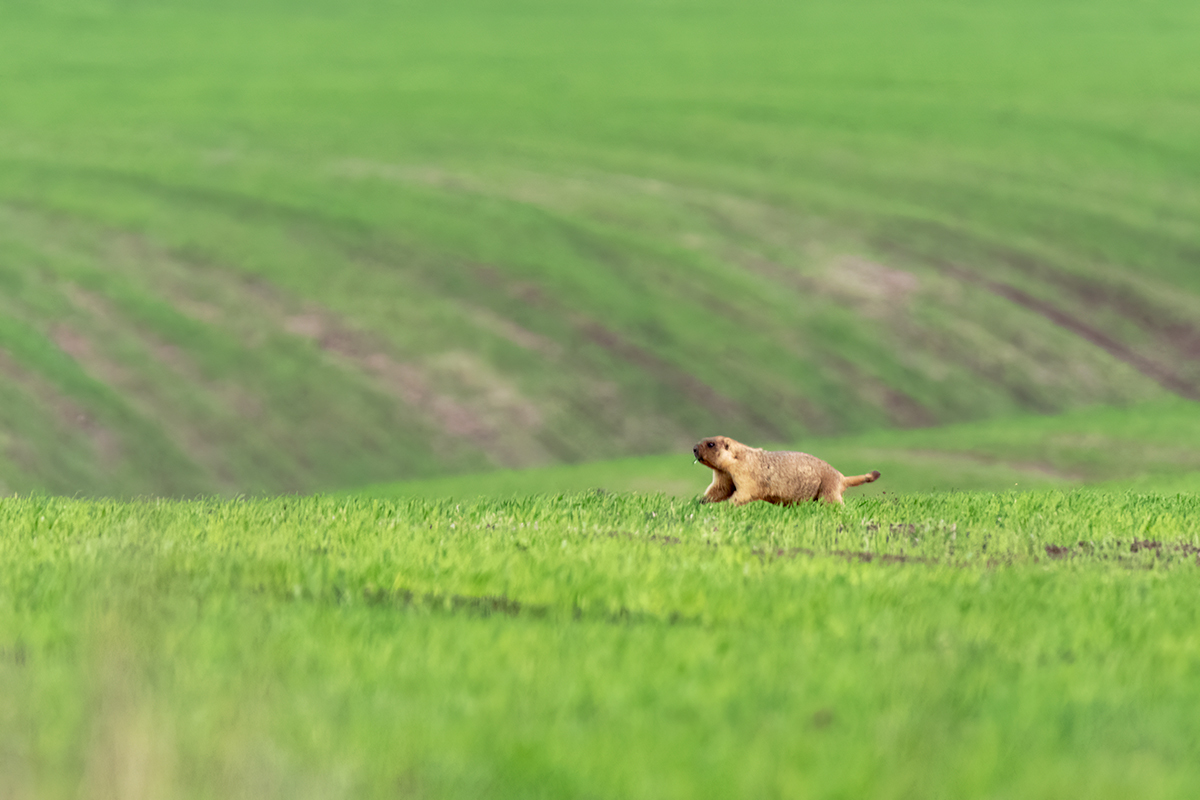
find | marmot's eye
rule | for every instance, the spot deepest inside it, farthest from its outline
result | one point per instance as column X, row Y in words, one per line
column 710, row 444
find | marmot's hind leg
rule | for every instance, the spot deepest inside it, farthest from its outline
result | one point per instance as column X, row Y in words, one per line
column 831, row 492
column 720, row 489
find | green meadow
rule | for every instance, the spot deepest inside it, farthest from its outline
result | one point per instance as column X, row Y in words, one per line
column 259, row 247
column 351, row 355
column 1153, row 447
column 1015, row 644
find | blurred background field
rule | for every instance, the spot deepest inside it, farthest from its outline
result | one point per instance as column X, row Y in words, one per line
column 268, row 247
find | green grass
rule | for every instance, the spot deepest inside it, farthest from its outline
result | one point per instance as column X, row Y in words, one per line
column 272, row 246
column 265, row 247
column 1151, row 447
column 1038, row 644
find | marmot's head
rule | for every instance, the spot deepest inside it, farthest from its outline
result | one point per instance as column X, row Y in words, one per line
column 716, row 451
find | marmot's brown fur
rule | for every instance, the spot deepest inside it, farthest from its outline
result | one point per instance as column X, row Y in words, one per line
column 743, row 474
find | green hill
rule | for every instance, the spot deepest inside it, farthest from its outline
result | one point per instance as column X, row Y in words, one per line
column 274, row 246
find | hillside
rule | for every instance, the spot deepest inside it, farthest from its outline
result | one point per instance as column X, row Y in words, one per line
column 275, row 246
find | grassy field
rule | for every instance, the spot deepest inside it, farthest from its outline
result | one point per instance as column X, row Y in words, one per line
column 1149, row 447
column 271, row 246
column 1041, row 644
column 502, row 264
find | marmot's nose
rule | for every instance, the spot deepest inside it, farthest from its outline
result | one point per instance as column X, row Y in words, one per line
column 696, row 450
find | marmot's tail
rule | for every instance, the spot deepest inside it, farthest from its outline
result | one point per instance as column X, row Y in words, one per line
column 859, row 480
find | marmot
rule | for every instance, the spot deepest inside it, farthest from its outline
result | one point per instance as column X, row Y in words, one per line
column 743, row 474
